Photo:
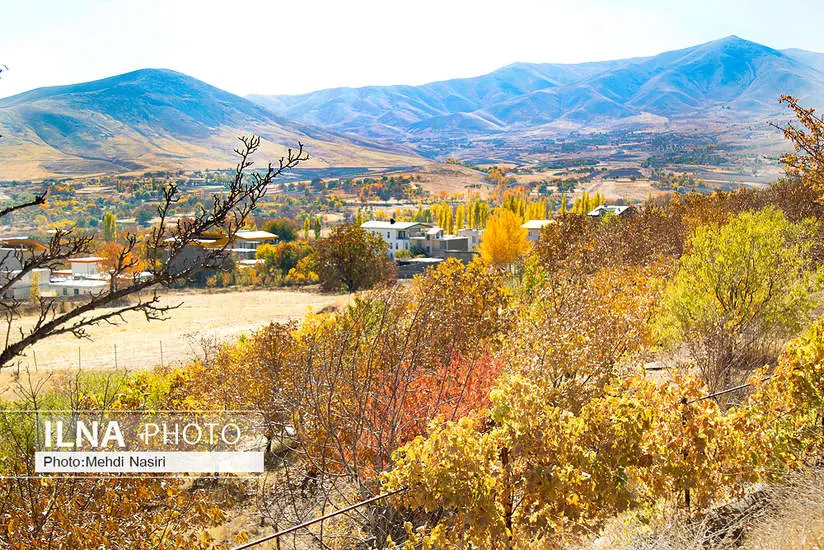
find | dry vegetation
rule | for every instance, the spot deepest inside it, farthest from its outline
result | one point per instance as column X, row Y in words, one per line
column 796, row 518
column 450, row 178
column 788, row 516
column 203, row 317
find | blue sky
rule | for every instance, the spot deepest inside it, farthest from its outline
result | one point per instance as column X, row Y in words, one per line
column 277, row 47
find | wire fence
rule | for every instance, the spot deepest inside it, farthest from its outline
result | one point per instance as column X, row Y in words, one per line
column 117, row 356
column 276, row 536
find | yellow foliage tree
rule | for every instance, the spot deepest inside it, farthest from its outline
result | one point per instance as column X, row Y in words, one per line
column 504, row 239
column 34, row 287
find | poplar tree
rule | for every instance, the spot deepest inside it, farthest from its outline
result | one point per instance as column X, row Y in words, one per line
column 109, row 226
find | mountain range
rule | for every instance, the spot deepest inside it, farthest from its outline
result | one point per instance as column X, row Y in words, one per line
column 731, row 78
column 158, row 118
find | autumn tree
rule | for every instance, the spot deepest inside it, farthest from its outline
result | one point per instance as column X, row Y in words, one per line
column 352, row 258
column 379, row 372
column 34, row 287
column 445, row 217
column 128, row 264
column 478, row 214
column 283, row 256
column 577, row 332
column 741, row 287
column 504, row 239
column 536, row 210
column 109, row 226
column 356, row 384
column 807, row 159
column 316, row 227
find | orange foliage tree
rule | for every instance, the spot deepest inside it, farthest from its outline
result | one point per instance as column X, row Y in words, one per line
column 806, row 162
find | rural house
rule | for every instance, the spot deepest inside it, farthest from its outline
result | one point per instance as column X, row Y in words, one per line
column 84, row 277
column 396, row 235
column 605, row 209
column 244, row 245
column 534, row 228
column 436, row 244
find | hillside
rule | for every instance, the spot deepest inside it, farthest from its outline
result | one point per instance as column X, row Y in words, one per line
column 155, row 118
column 731, row 78
column 158, row 118
column 813, row 59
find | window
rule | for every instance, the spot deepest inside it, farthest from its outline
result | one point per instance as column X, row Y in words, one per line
column 76, row 291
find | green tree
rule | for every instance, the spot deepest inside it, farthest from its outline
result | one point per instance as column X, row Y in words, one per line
column 144, row 214
column 352, row 258
column 281, row 256
column 109, row 226
column 284, row 228
column 741, row 288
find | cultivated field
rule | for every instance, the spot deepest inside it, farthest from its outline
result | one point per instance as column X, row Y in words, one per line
column 202, row 316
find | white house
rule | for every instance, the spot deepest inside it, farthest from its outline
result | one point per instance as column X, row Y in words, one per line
column 77, row 287
column 395, row 234
column 610, row 208
column 14, row 252
column 86, row 277
column 21, row 289
column 245, row 243
column 534, row 228
column 88, row 267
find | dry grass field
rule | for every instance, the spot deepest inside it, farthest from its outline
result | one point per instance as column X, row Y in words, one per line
column 451, row 178
column 622, row 188
column 213, row 316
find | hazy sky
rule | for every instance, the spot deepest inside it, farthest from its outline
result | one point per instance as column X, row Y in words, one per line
column 276, row 47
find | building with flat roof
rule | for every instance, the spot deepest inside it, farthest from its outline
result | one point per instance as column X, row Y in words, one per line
column 397, row 235
column 14, row 250
column 534, row 228
column 244, row 244
column 86, row 276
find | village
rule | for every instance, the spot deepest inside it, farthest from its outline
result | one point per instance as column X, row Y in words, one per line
column 414, row 246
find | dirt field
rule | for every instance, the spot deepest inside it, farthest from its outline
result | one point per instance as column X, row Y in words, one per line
column 451, row 179
column 612, row 189
column 216, row 315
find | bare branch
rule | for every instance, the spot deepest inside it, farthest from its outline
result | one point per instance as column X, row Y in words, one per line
column 165, row 245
